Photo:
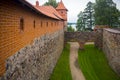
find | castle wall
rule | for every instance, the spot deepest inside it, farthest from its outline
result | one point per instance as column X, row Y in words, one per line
column 111, row 47
column 13, row 38
column 106, row 39
column 80, row 37
column 99, row 38
column 35, row 61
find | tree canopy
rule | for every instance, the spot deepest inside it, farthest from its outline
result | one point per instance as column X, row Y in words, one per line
column 70, row 29
column 102, row 12
column 106, row 13
column 85, row 20
column 52, row 3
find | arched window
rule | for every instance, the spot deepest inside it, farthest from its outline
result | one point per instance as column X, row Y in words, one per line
column 34, row 23
column 21, row 24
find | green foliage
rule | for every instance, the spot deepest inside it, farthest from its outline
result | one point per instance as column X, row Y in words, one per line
column 106, row 13
column 85, row 20
column 52, row 3
column 62, row 69
column 70, row 29
column 80, row 22
column 94, row 65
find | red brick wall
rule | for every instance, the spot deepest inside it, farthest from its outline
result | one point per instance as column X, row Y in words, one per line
column 12, row 38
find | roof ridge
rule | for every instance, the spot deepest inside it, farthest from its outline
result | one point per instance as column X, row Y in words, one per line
column 61, row 5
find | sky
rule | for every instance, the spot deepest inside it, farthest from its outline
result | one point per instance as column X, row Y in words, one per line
column 74, row 6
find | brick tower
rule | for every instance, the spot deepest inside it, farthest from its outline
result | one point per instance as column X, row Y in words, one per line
column 62, row 10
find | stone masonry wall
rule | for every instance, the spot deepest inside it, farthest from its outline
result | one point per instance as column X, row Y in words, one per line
column 99, row 38
column 35, row 61
column 80, row 37
column 111, row 47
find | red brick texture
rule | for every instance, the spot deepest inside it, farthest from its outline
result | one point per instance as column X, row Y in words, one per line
column 12, row 38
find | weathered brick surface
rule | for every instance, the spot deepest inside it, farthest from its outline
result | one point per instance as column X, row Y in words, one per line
column 111, row 47
column 12, row 39
column 35, row 61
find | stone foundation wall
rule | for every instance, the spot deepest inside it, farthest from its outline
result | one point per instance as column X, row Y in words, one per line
column 99, row 38
column 80, row 37
column 37, row 60
column 111, row 47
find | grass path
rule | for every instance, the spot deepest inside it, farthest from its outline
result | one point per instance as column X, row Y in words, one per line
column 62, row 68
column 94, row 65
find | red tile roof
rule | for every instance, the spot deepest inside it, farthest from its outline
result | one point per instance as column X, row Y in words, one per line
column 61, row 6
column 49, row 11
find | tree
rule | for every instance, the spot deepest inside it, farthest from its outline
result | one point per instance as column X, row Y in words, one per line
column 89, row 11
column 106, row 13
column 52, row 3
column 80, row 22
column 70, row 29
column 85, row 20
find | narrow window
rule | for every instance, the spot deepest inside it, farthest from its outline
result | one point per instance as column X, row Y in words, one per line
column 47, row 24
column 34, row 23
column 21, row 24
column 41, row 23
column 51, row 24
column 55, row 23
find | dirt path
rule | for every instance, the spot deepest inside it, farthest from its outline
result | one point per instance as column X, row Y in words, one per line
column 75, row 70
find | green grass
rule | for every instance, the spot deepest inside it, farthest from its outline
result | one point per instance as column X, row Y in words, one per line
column 62, row 68
column 94, row 65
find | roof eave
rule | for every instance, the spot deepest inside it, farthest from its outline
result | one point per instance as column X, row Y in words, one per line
column 33, row 8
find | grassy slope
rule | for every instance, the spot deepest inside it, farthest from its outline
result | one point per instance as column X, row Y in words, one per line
column 94, row 65
column 62, row 69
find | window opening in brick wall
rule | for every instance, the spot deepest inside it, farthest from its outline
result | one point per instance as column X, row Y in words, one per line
column 55, row 23
column 51, row 23
column 34, row 23
column 47, row 24
column 41, row 23
column 21, row 24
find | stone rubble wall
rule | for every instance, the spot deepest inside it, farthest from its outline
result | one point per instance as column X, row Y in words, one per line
column 99, row 38
column 111, row 47
column 80, row 37
column 35, row 61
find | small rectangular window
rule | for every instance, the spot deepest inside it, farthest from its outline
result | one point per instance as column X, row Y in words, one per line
column 47, row 24
column 34, row 23
column 41, row 23
column 51, row 23
column 21, row 24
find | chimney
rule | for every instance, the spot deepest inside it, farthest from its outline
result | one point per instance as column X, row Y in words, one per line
column 37, row 3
